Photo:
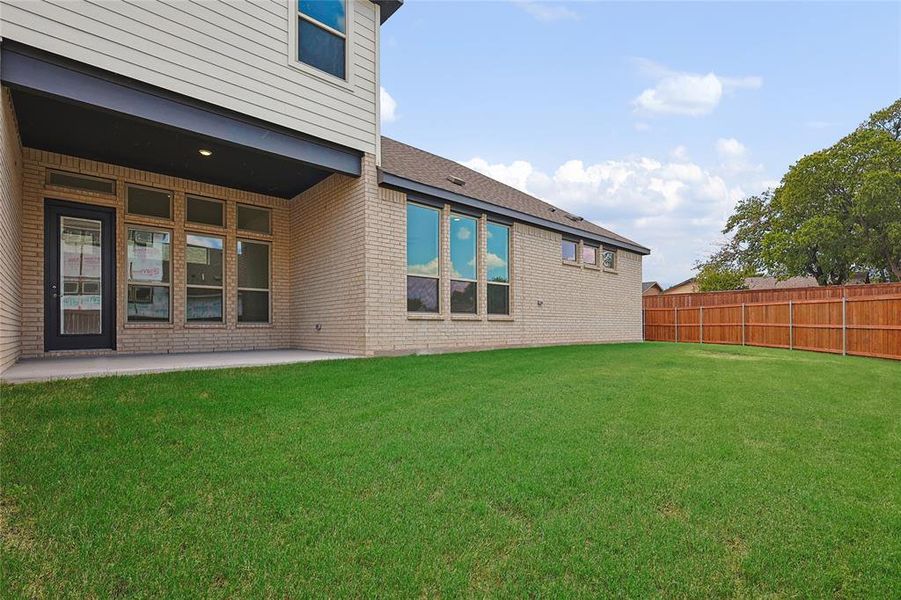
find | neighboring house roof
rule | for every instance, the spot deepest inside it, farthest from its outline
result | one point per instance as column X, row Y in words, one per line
column 412, row 164
column 769, row 283
column 680, row 284
column 646, row 285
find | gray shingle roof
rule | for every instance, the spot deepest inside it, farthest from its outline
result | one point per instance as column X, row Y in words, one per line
column 403, row 160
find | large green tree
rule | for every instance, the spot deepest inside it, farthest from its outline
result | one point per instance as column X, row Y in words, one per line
column 836, row 213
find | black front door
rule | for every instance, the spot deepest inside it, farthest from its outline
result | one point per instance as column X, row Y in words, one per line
column 79, row 276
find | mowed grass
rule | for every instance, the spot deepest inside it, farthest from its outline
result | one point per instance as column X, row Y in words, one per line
column 634, row 470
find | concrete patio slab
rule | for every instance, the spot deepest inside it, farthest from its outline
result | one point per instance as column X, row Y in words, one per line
column 48, row 369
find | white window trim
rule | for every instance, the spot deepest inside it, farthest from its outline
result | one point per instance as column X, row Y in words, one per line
column 129, row 281
column 293, row 61
column 268, row 290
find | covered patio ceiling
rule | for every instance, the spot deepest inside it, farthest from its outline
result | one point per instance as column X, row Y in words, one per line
column 72, row 109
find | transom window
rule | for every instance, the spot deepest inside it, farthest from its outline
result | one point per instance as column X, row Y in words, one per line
column 148, row 202
column 205, row 211
column 149, row 260
column 423, row 226
column 322, row 35
column 254, row 218
column 464, row 243
column 497, row 261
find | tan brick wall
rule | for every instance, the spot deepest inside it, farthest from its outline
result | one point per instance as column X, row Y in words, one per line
column 327, row 266
column 10, row 234
column 578, row 304
column 176, row 336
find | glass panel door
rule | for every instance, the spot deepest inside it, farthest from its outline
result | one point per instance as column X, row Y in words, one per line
column 81, row 266
column 79, row 276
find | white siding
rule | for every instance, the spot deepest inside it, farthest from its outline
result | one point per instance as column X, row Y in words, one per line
column 231, row 54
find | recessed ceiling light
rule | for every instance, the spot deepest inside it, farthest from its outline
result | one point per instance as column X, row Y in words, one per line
column 205, row 152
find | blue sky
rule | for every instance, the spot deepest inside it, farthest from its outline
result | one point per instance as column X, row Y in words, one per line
column 651, row 119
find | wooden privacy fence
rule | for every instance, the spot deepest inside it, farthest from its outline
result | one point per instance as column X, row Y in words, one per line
column 861, row 323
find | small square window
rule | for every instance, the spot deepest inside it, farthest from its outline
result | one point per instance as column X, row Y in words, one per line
column 254, row 218
column 589, row 255
column 149, row 202
column 205, row 212
column 610, row 259
column 569, row 250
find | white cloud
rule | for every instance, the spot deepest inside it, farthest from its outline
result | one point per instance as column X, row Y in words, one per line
column 683, row 93
column 546, row 11
column 679, row 153
column 675, row 206
column 493, row 261
column 463, row 233
column 734, row 157
column 388, row 106
column 429, row 268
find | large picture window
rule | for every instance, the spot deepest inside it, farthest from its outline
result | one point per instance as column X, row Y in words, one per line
column 464, row 243
column 253, row 282
column 423, row 226
column 204, row 259
column 322, row 35
column 498, row 263
column 149, row 298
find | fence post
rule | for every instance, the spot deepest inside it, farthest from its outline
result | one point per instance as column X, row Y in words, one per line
column 791, row 318
column 676, row 321
column 844, row 324
column 702, row 324
column 742, row 323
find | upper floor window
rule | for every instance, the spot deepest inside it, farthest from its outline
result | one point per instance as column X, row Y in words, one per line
column 609, row 259
column 322, row 35
column 569, row 249
column 589, row 255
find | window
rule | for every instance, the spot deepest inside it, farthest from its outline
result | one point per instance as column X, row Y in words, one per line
column 205, row 212
column 203, row 255
column 254, row 218
column 149, row 202
column 322, row 35
column 464, row 274
column 253, row 282
column 498, row 262
column 589, row 255
column 569, row 250
column 148, row 275
column 422, row 258
column 81, row 182
column 610, row 259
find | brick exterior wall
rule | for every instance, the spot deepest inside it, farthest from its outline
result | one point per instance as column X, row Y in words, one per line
column 328, row 263
column 551, row 302
column 177, row 336
column 338, row 274
column 10, row 234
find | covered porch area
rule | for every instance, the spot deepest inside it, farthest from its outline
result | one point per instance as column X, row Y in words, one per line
column 144, row 231
column 50, row 369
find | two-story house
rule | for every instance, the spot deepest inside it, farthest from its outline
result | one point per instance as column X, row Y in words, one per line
column 204, row 176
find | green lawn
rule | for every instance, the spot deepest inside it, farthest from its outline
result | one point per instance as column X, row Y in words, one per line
column 631, row 470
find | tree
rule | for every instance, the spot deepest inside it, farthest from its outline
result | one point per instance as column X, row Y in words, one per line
column 713, row 277
column 836, row 213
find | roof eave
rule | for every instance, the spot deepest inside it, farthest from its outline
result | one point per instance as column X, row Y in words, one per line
column 408, row 185
column 388, row 8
